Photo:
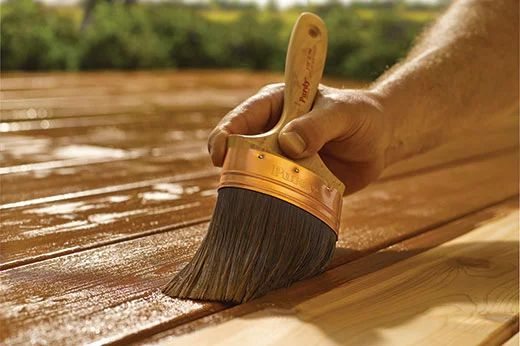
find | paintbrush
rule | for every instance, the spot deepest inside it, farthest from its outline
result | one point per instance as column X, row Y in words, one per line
column 276, row 220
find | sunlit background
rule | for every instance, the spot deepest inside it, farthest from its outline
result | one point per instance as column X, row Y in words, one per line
column 365, row 37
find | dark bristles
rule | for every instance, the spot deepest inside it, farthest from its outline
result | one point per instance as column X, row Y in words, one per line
column 255, row 244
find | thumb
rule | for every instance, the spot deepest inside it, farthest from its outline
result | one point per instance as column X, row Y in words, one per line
column 307, row 134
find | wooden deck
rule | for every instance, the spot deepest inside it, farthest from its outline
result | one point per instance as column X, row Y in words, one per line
column 107, row 190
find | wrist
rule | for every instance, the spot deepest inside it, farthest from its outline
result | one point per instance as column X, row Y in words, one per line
column 393, row 145
column 415, row 124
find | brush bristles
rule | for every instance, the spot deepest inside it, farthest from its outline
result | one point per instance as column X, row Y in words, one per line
column 255, row 244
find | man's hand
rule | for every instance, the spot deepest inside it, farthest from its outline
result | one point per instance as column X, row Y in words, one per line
column 346, row 127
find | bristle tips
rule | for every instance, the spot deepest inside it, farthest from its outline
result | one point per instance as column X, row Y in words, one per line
column 255, row 244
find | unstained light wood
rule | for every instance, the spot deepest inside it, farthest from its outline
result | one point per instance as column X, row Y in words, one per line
column 514, row 341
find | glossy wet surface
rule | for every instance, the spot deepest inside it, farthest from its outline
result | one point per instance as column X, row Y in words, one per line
column 107, row 189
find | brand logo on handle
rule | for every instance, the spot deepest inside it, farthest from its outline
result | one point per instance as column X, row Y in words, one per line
column 309, row 62
column 305, row 90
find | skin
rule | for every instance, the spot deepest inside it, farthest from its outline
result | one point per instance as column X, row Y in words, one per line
column 461, row 76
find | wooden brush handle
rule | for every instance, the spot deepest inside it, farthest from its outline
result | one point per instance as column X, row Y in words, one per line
column 304, row 65
column 303, row 70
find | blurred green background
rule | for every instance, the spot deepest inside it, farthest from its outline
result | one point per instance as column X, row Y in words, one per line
column 365, row 38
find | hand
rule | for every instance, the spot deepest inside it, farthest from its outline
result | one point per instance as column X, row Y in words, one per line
column 346, row 127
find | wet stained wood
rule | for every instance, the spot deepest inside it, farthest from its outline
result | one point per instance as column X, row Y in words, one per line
column 385, row 213
column 52, row 151
column 106, row 190
column 101, row 295
column 52, row 229
column 72, row 95
column 81, row 174
column 147, row 80
column 459, row 293
column 65, row 172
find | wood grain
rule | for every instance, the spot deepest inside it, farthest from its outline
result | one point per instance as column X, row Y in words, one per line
column 456, row 294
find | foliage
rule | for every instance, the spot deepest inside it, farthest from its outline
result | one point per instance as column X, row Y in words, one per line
column 255, row 44
column 167, row 35
column 384, row 42
column 122, row 37
column 35, row 38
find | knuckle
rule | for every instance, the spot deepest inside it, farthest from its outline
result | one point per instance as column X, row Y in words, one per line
column 270, row 90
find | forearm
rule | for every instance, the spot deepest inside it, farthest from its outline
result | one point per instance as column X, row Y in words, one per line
column 460, row 76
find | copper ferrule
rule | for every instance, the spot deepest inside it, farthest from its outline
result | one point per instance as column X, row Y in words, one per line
column 279, row 177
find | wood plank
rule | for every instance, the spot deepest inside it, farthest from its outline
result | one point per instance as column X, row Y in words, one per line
column 60, row 182
column 69, row 95
column 50, row 81
column 28, row 239
column 458, row 294
column 386, row 213
column 77, row 155
column 451, row 154
column 129, row 157
column 53, row 229
column 110, row 181
column 69, row 127
column 180, row 100
column 110, row 293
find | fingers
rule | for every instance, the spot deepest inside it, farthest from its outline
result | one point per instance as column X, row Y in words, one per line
column 307, row 134
column 253, row 116
column 336, row 115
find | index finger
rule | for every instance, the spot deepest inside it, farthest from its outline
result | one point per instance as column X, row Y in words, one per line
column 253, row 116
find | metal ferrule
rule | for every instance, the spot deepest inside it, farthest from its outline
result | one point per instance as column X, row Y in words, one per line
column 279, row 177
